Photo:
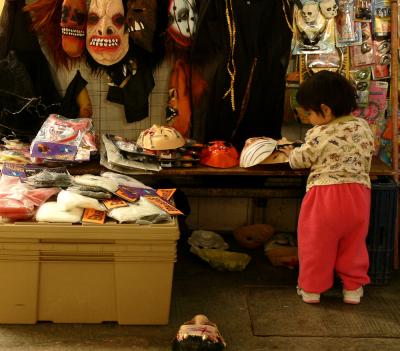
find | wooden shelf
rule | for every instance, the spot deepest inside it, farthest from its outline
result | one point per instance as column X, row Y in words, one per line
column 277, row 170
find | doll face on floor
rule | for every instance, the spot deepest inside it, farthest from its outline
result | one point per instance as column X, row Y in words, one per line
column 202, row 327
column 107, row 39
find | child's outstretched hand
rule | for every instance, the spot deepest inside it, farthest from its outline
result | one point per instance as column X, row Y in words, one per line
column 286, row 149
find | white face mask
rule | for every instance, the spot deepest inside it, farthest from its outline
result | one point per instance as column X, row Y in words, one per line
column 107, row 41
column 182, row 20
column 329, row 8
column 310, row 12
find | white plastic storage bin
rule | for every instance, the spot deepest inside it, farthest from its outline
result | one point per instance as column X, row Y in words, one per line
column 68, row 273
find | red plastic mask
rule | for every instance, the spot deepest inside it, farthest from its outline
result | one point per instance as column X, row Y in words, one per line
column 142, row 20
column 107, row 39
column 182, row 21
column 73, row 27
column 219, row 154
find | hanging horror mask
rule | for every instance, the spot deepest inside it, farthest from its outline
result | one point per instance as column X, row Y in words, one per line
column 310, row 12
column 73, row 27
column 142, row 21
column 329, row 8
column 107, row 40
column 182, row 20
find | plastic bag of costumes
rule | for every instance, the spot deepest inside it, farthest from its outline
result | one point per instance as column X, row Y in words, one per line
column 53, row 213
column 64, row 139
column 140, row 212
column 14, row 151
column 67, row 200
column 18, row 200
column 42, row 177
column 112, row 158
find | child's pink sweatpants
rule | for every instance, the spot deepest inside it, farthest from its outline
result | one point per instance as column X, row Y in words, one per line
column 332, row 229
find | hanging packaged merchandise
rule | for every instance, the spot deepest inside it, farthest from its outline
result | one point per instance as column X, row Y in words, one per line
column 363, row 55
column 336, row 61
column 363, row 11
column 361, row 79
column 383, row 57
column 381, row 17
column 313, row 30
column 375, row 112
column 345, row 22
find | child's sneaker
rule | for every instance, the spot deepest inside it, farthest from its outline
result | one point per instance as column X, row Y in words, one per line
column 353, row 296
column 308, row 297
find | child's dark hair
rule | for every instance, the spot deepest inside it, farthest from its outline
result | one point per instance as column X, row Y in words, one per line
column 196, row 343
column 327, row 88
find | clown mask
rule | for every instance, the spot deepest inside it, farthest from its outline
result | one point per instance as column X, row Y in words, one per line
column 106, row 38
column 182, row 21
column 73, row 27
column 142, row 21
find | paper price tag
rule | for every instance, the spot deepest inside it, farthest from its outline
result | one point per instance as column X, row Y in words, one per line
column 91, row 215
column 114, row 203
column 166, row 193
column 164, row 205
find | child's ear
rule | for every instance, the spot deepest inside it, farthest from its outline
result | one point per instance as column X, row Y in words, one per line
column 326, row 110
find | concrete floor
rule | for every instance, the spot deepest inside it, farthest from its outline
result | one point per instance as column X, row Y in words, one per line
column 197, row 289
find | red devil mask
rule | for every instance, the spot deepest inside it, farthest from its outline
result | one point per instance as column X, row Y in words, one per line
column 219, row 154
column 107, row 39
column 142, row 21
column 73, row 27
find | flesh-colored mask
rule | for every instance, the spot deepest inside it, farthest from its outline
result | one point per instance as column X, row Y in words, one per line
column 182, row 20
column 202, row 327
column 73, row 27
column 142, row 20
column 107, row 41
column 310, row 12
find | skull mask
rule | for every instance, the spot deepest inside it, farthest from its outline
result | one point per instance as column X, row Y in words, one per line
column 73, row 26
column 310, row 12
column 329, row 8
column 182, row 21
column 142, row 21
column 107, row 41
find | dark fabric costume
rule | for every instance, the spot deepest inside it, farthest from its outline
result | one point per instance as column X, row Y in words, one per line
column 69, row 106
column 263, row 38
column 28, row 94
column 16, row 35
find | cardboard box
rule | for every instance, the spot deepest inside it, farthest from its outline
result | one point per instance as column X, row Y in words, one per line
column 68, row 273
